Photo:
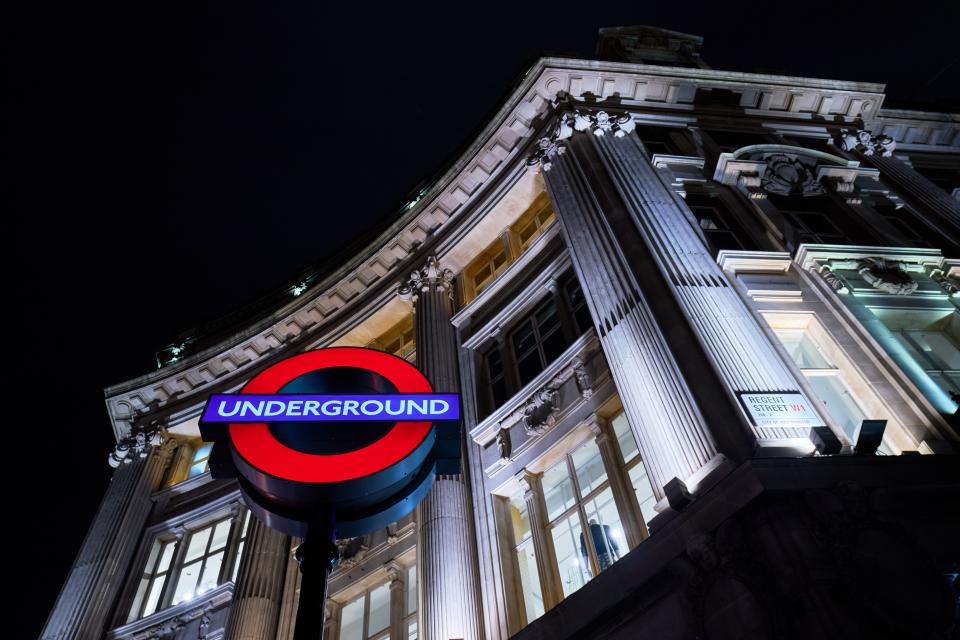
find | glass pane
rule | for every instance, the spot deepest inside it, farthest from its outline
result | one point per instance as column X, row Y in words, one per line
column 606, row 531
column 802, row 349
column 529, row 366
column 351, row 620
column 246, row 524
column 644, row 491
column 198, row 544
column 625, row 439
column 138, row 599
column 547, row 319
column 571, row 552
column 211, row 573
column 412, row 630
column 412, row 589
column 379, row 609
column 236, row 564
column 557, row 490
column 553, row 345
column 588, row 465
column 187, row 583
column 166, row 556
column 197, row 469
column 150, row 567
column 519, row 518
column 154, row 598
column 938, row 348
column 220, row 534
column 202, row 452
column 530, row 581
column 524, row 340
column 836, row 399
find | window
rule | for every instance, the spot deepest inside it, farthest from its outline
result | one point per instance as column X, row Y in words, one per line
column 179, row 570
column 507, row 247
column 937, row 350
column 717, row 222
column 201, row 460
column 367, row 615
column 584, row 524
column 538, row 341
column 535, row 342
column 636, row 471
column 832, row 393
column 820, row 220
column 526, row 560
column 398, row 340
column 660, row 140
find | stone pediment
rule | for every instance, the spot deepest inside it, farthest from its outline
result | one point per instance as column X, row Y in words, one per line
column 330, row 306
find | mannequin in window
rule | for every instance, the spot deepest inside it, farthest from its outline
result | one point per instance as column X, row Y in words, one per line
column 608, row 551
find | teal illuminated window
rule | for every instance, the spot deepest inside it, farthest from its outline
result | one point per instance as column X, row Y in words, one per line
column 201, row 460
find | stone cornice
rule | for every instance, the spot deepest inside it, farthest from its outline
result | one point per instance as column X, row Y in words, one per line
column 459, row 193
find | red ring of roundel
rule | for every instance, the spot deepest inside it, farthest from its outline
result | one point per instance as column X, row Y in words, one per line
column 258, row 446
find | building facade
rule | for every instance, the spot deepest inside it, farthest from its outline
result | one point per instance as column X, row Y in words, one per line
column 705, row 326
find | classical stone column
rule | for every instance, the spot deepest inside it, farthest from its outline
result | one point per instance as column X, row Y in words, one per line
column 681, row 343
column 446, row 552
column 258, row 593
column 88, row 596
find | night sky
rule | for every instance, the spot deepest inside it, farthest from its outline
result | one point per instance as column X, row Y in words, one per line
column 171, row 163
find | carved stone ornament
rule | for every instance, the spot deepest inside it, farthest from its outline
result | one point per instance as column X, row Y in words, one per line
column 582, row 378
column 431, row 274
column 833, row 280
column 136, row 444
column 867, row 143
column 352, row 552
column 600, row 124
column 949, row 287
column 539, row 412
column 504, row 444
column 789, row 176
column 887, row 275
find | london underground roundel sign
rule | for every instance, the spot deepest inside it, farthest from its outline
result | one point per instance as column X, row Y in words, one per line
column 346, row 429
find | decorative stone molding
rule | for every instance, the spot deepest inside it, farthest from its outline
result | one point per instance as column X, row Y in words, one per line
column 866, row 142
column 833, row 281
column 137, row 443
column 539, row 412
column 431, row 274
column 582, row 378
column 599, row 123
column 763, row 169
column 949, row 286
column 352, row 551
column 887, row 275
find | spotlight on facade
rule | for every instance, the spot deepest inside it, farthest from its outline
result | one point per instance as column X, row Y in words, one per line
column 824, row 441
column 870, row 437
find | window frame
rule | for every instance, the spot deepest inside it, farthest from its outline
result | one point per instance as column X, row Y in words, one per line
column 179, row 534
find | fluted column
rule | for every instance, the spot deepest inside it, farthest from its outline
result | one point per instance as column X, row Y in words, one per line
column 537, row 514
column 446, row 552
column 670, row 429
column 258, row 593
column 398, row 605
column 87, row 598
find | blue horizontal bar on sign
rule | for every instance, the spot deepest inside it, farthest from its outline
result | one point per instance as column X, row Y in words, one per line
column 392, row 407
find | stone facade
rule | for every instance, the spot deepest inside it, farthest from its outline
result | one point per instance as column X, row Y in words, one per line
column 629, row 249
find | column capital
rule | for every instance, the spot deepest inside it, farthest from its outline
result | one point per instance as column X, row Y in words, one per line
column 431, row 276
column 139, row 441
column 598, row 122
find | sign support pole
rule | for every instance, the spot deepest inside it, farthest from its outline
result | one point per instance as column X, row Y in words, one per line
column 317, row 556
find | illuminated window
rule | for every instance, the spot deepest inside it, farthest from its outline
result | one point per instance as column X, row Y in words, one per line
column 367, row 615
column 398, row 340
column 934, row 343
column 585, row 526
column 507, row 247
column 832, row 393
column 636, row 471
column 177, row 571
column 201, row 460
column 526, row 560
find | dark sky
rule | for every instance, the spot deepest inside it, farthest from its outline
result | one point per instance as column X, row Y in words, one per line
column 172, row 161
